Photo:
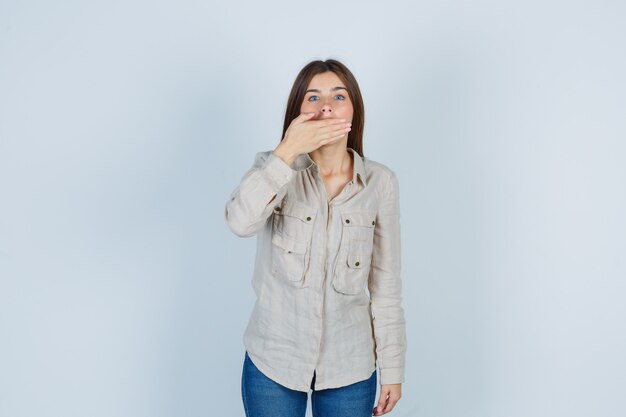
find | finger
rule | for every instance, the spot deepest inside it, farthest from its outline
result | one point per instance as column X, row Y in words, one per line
column 380, row 410
column 382, row 402
column 302, row 117
column 327, row 122
column 334, row 138
column 390, row 404
column 334, row 130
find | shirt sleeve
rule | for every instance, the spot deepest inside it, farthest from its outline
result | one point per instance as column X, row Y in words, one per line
column 385, row 287
column 261, row 188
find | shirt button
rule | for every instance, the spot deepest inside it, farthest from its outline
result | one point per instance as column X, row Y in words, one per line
column 308, row 218
column 373, row 222
column 347, row 220
column 356, row 263
column 276, row 209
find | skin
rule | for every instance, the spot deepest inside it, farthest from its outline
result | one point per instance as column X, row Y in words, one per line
column 326, row 101
column 321, row 130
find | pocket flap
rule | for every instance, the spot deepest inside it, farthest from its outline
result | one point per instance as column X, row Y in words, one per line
column 362, row 218
column 298, row 210
column 289, row 245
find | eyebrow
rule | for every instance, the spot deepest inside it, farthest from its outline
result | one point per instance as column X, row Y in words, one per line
column 315, row 90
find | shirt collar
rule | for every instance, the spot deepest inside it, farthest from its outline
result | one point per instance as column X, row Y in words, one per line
column 304, row 161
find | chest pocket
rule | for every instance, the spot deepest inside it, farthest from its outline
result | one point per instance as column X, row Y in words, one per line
column 292, row 231
column 355, row 253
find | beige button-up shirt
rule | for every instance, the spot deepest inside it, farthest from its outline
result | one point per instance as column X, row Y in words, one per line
column 326, row 274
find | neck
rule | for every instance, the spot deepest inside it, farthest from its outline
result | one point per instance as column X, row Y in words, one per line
column 332, row 159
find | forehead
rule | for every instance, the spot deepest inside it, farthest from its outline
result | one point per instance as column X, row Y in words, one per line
column 326, row 81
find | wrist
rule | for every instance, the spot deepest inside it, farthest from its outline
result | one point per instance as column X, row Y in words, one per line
column 284, row 152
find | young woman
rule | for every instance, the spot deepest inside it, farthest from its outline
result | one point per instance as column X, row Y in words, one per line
column 327, row 269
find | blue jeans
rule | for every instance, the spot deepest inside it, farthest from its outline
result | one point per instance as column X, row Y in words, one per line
column 263, row 397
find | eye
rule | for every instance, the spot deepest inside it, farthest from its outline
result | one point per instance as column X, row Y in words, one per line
column 312, row 97
column 340, row 95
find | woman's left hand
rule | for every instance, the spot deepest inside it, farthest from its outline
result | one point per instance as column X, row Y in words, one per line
column 389, row 396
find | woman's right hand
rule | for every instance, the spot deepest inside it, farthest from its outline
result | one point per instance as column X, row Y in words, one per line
column 304, row 135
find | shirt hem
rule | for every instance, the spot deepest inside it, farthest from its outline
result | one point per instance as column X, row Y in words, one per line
column 265, row 370
column 343, row 382
column 318, row 385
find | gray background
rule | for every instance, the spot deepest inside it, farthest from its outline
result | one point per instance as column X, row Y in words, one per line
column 124, row 126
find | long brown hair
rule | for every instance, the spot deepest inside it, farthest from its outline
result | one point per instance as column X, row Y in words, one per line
column 298, row 90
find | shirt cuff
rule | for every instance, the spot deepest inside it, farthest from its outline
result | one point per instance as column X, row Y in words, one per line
column 278, row 170
column 391, row 376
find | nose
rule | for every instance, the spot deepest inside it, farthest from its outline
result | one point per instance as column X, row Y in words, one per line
column 327, row 109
